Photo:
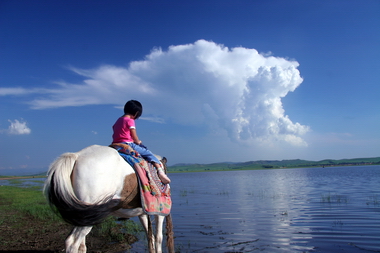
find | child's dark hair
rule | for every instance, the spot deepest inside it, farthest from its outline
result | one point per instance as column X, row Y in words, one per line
column 133, row 107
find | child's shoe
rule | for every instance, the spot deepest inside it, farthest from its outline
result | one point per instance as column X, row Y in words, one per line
column 164, row 178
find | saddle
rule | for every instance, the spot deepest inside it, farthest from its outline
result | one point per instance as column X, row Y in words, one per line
column 154, row 196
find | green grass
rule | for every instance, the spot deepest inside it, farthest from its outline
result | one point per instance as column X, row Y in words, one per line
column 27, row 201
column 116, row 231
column 223, row 193
column 373, row 200
column 25, row 215
column 15, row 181
column 30, row 202
column 334, row 198
column 184, row 193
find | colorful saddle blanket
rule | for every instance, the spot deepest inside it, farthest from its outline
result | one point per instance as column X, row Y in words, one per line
column 155, row 196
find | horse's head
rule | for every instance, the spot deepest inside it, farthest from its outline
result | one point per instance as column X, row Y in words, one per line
column 164, row 161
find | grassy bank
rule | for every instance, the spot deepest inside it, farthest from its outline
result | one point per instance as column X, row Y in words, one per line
column 28, row 223
column 27, row 202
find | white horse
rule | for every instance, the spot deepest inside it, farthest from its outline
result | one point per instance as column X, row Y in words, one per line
column 88, row 186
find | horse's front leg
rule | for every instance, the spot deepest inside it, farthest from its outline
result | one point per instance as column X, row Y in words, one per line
column 76, row 241
column 159, row 236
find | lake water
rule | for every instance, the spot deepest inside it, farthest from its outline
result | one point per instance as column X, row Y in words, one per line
column 335, row 209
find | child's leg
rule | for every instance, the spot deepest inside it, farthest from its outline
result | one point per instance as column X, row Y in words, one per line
column 150, row 157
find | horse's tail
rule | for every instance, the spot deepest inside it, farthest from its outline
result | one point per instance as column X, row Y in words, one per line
column 60, row 194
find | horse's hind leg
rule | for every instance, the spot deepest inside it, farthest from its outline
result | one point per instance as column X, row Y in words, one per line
column 159, row 227
column 147, row 224
column 76, row 241
column 155, row 242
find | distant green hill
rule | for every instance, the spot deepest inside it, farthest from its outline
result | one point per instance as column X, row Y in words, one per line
column 274, row 164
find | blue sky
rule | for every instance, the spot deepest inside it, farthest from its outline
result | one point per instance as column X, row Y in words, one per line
column 219, row 80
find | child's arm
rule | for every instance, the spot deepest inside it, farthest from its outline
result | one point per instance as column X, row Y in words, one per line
column 134, row 136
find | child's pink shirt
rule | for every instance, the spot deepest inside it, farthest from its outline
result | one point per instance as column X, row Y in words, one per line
column 121, row 130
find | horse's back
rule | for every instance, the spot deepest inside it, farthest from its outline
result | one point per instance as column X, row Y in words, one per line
column 99, row 171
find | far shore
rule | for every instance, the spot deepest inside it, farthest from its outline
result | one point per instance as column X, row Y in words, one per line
column 178, row 169
column 19, row 177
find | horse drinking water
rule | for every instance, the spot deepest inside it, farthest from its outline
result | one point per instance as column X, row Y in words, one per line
column 96, row 182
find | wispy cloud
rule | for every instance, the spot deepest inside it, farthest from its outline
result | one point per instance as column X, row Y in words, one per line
column 154, row 119
column 13, row 91
column 237, row 89
column 21, row 91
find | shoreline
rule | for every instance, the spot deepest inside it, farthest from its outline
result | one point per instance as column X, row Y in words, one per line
column 220, row 169
column 19, row 177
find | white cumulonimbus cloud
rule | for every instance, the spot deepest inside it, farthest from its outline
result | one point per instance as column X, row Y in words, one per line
column 236, row 89
column 18, row 127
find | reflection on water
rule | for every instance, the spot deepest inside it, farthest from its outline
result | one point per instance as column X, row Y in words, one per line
column 286, row 210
